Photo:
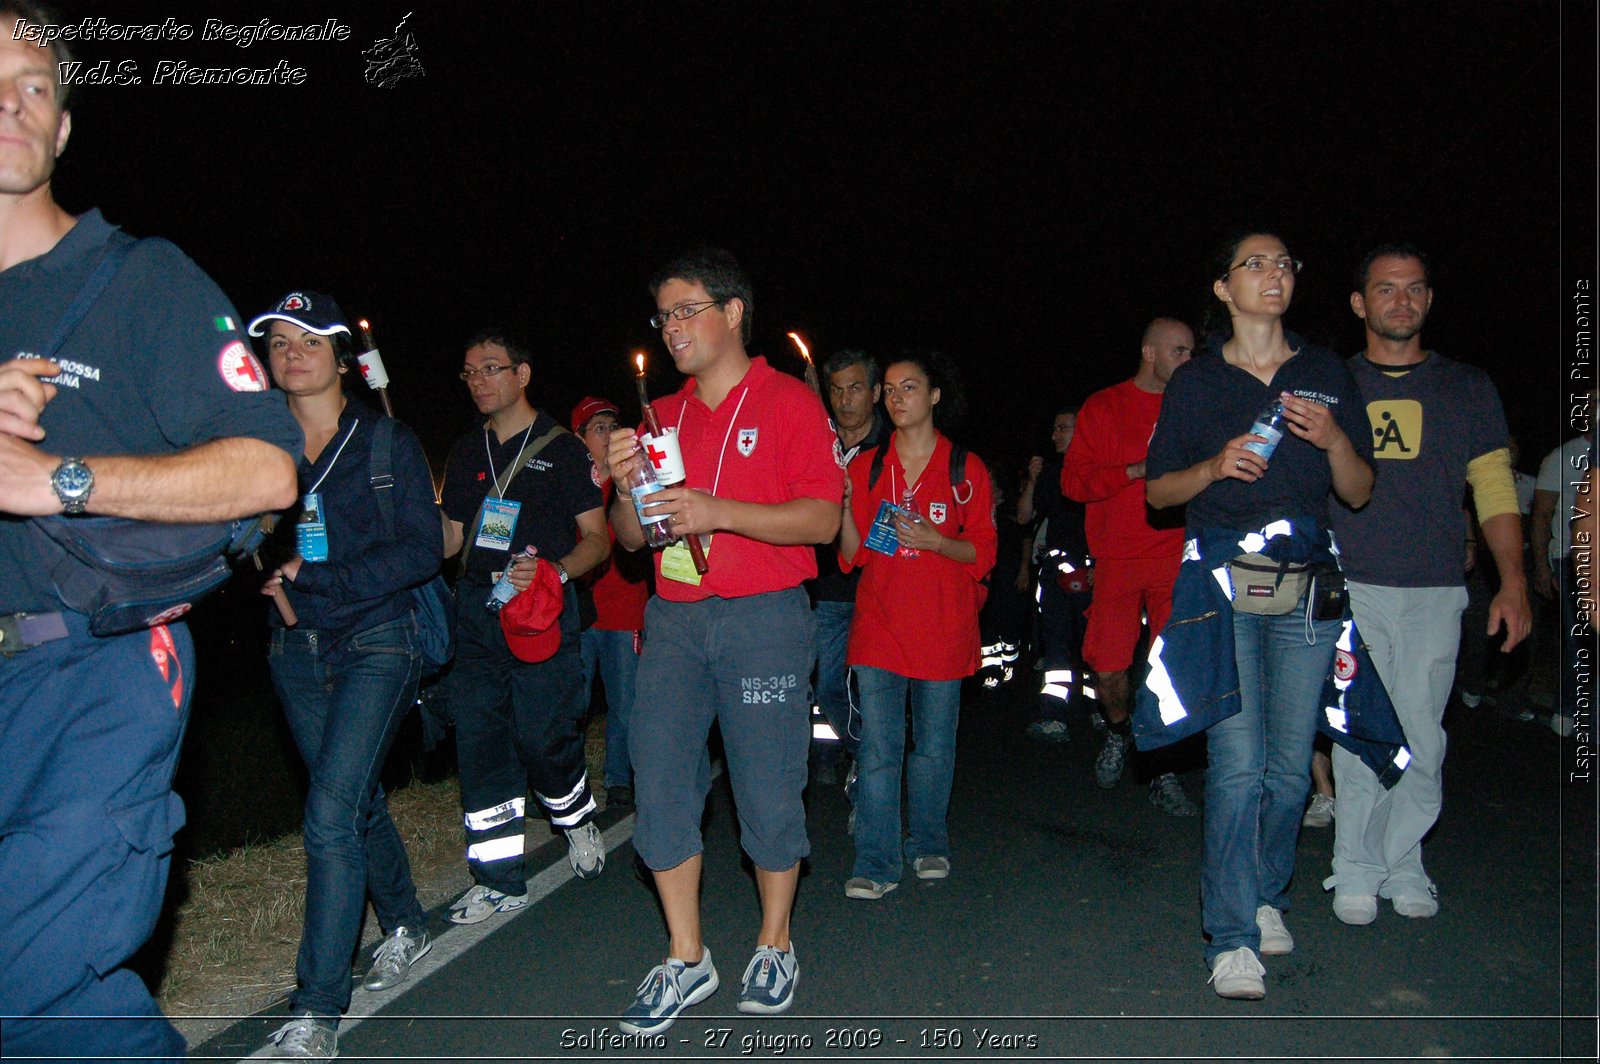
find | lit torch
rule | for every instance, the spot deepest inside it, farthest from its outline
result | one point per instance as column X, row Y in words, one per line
column 371, row 364
column 811, row 367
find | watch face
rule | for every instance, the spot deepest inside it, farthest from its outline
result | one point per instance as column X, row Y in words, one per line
column 73, row 480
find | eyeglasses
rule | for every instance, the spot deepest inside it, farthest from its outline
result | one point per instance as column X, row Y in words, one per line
column 1261, row 264
column 683, row 312
column 487, row 371
column 605, row 428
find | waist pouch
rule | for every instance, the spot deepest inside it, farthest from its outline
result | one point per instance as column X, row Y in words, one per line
column 1263, row 586
column 126, row 575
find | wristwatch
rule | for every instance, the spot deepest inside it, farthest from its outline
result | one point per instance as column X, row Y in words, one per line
column 73, row 483
column 561, row 571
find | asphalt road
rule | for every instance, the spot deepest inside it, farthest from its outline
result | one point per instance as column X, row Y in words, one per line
column 1069, row 929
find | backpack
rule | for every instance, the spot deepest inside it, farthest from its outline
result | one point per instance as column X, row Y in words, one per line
column 432, row 603
column 123, row 574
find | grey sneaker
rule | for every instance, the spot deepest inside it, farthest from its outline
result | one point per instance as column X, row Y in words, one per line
column 481, row 902
column 392, row 961
column 866, row 889
column 1166, row 794
column 1319, row 814
column 303, row 1038
column 586, row 850
column 1237, row 974
column 1049, row 731
column 931, row 867
column 667, row 990
column 1275, row 938
column 1113, row 758
column 767, row 986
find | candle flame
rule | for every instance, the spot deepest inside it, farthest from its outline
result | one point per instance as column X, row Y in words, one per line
column 364, row 323
column 805, row 352
column 639, row 360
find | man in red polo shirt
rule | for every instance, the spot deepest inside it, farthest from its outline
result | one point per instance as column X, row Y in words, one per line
column 1135, row 564
column 765, row 481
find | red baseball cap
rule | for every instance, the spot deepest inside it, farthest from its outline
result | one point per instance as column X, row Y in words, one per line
column 531, row 621
column 587, row 409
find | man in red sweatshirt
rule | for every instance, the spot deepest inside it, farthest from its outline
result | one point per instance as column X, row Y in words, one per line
column 1135, row 563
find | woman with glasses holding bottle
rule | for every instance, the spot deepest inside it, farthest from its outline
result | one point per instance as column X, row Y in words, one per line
column 346, row 667
column 915, row 626
column 1257, row 522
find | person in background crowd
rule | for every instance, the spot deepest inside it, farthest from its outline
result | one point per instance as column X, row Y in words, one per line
column 520, row 480
column 174, row 425
column 620, row 587
column 853, row 392
column 764, row 484
column 1555, row 493
column 347, row 672
column 1064, row 581
column 1244, row 509
column 1136, row 560
column 916, row 623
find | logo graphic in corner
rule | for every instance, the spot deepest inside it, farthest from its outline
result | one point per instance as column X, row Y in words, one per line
column 239, row 369
column 594, row 473
column 1396, row 428
column 295, row 301
column 1344, row 665
column 838, row 454
column 747, row 441
column 936, row 512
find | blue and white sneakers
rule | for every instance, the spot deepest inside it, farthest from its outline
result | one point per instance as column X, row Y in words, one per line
column 668, row 990
column 768, row 981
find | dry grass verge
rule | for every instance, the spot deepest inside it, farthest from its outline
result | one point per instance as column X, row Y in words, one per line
column 235, row 936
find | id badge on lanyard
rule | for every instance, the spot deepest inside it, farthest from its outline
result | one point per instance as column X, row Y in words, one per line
column 678, row 564
column 311, row 534
column 498, row 524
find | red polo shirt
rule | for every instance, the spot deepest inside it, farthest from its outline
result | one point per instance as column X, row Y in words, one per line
column 768, row 441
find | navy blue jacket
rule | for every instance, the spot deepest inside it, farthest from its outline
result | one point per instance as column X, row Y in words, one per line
column 365, row 579
column 1194, row 677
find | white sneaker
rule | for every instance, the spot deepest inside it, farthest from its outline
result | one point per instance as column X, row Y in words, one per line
column 1320, row 813
column 392, row 962
column 586, row 851
column 1357, row 910
column 303, row 1038
column 1237, row 974
column 1418, row 905
column 1275, row 938
column 481, row 902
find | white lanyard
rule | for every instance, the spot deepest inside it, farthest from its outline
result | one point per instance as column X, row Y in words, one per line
column 336, row 454
column 490, row 456
column 717, row 481
column 894, row 497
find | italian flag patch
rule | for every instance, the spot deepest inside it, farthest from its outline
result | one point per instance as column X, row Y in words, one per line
column 225, row 324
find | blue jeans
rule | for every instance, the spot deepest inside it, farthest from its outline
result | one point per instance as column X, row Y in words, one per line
column 833, row 677
column 343, row 719
column 619, row 664
column 930, row 769
column 1258, row 774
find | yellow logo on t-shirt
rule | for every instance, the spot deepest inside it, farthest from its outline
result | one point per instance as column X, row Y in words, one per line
column 1396, row 428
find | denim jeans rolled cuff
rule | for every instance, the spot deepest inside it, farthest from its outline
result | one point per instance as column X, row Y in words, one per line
column 1258, row 774
column 929, row 770
column 344, row 720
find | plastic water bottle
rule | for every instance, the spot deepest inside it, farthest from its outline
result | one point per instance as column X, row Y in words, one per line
column 641, row 482
column 504, row 590
column 1269, row 426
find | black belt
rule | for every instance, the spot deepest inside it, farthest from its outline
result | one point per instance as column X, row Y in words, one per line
column 24, row 631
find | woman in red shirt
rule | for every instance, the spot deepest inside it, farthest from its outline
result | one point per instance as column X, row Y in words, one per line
column 915, row 628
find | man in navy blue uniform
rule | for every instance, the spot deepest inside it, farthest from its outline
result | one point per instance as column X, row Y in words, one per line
column 518, row 480
column 153, row 408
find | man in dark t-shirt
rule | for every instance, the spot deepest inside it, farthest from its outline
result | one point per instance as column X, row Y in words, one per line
column 518, row 481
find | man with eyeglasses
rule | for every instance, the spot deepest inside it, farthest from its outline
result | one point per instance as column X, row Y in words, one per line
column 853, row 392
column 516, row 481
column 735, row 645
column 1436, row 424
column 1135, row 561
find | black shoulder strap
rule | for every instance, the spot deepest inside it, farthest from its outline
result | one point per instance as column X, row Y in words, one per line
column 875, row 470
column 380, row 470
column 111, row 257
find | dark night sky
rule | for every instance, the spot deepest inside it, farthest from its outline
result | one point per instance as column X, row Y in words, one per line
column 1022, row 184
